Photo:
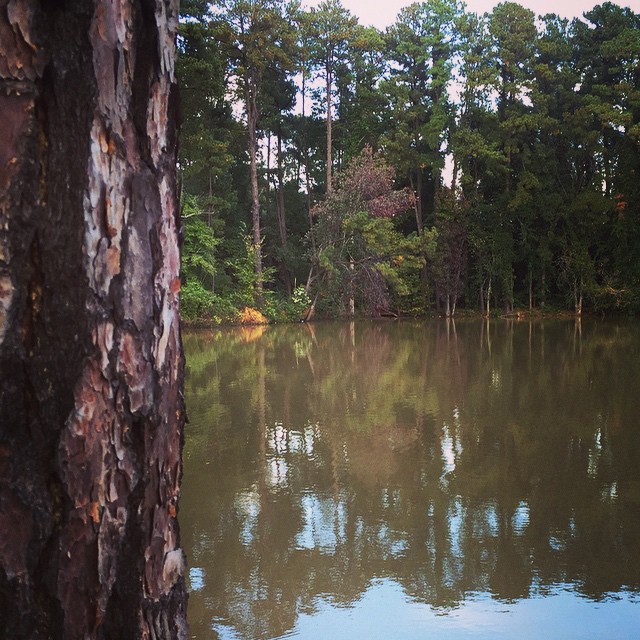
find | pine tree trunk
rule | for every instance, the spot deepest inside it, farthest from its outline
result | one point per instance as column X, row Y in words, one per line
column 578, row 296
column 252, row 124
column 280, row 208
column 281, row 213
column 91, row 414
column 329, row 86
column 352, row 301
column 307, row 171
column 418, row 192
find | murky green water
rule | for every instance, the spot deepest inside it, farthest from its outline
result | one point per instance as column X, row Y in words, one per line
column 401, row 480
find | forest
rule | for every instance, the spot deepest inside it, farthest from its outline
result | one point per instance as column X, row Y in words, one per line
column 453, row 161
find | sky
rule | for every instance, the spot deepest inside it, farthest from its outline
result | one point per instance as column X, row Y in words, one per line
column 382, row 13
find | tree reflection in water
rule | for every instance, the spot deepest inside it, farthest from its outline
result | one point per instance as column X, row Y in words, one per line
column 454, row 459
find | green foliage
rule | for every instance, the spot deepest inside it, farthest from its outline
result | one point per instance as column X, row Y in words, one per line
column 287, row 309
column 364, row 260
column 208, row 128
column 195, row 301
column 245, row 277
column 198, row 262
column 199, row 245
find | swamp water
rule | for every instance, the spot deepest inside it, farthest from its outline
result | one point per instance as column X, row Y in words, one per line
column 405, row 480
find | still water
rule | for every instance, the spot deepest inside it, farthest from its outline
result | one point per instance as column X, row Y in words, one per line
column 405, row 480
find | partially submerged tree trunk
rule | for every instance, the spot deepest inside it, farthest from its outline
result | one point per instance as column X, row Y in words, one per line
column 578, row 288
column 91, row 413
column 352, row 301
column 487, row 305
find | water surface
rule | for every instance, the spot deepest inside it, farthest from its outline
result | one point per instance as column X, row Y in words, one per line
column 412, row 480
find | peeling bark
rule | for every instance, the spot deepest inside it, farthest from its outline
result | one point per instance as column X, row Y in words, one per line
column 91, row 414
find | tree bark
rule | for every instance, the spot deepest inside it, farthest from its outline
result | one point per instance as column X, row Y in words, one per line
column 280, row 208
column 418, row 191
column 91, row 411
column 281, row 213
column 252, row 124
column 307, row 170
column 329, row 87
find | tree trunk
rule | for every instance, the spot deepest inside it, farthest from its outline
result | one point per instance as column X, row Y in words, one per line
column 252, row 123
column 352, row 301
column 418, row 191
column 578, row 296
column 329, row 130
column 91, row 414
column 307, row 173
column 282, row 221
column 417, row 205
column 280, row 210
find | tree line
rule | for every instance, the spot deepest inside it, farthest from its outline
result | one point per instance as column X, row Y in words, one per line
column 453, row 160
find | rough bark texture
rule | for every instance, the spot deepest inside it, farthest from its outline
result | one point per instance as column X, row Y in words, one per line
column 91, row 413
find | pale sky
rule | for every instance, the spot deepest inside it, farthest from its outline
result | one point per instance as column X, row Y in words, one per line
column 382, row 13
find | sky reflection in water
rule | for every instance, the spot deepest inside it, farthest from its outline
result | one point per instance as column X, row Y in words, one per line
column 384, row 612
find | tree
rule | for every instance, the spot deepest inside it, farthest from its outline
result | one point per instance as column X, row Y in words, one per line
column 302, row 122
column 330, row 28
column 91, row 414
column 361, row 255
column 197, row 295
column 421, row 46
column 362, row 109
column 607, row 57
column 258, row 34
column 512, row 29
column 208, row 129
column 279, row 98
column 451, row 251
column 475, row 154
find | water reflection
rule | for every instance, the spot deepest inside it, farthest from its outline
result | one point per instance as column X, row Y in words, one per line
column 442, row 464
